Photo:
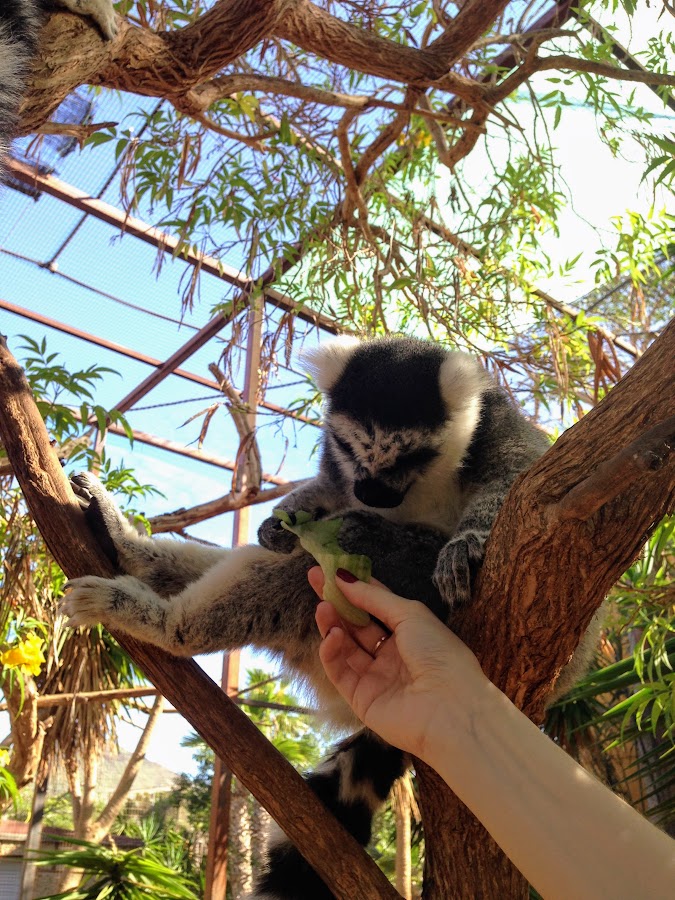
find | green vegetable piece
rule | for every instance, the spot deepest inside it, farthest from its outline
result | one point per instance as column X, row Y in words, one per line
column 321, row 540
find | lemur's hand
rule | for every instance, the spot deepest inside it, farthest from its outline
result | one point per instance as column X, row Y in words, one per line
column 272, row 536
column 101, row 11
column 457, row 566
column 101, row 512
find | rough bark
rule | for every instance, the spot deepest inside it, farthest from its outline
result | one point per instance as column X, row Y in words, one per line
column 546, row 572
column 239, row 865
column 168, row 64
column 172, row 64
column 333, row 852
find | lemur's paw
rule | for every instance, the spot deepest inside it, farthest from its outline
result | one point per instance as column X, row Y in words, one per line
column 273, row 537
column 457, row 566
column 105, row 17
column 102, row 511
column 88, row 600
column 101, row 11
column 102, row 514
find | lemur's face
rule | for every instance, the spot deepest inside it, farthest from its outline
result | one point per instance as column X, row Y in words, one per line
column 386, row 418
column 381, row 463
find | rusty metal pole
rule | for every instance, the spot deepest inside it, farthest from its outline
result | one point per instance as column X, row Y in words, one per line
column 219, row 825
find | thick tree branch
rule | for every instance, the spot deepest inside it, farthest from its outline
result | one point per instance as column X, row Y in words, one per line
column 332, row 851
column 540, row 587
column 472, row 21
column 180, row 65
column 165, row 64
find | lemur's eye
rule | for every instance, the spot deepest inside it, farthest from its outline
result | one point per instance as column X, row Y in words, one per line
column 344, row 446
column 416, row 459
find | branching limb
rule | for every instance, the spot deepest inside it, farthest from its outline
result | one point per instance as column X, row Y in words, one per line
column 646, row 454
column 226, row 85
column 572, row 64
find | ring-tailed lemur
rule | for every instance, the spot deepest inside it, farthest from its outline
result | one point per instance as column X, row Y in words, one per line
column 419, row 449
column 20, row 22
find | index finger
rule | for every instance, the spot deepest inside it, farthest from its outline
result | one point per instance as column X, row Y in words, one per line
column 380, row 602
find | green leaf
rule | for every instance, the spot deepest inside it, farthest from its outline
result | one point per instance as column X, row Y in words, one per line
column 321, row 540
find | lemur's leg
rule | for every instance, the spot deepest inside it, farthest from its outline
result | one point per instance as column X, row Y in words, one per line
column 101, row 11
column 353, row 782
column 167, row 566
column 237, row 601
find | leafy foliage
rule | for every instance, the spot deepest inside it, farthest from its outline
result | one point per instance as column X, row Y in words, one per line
column 113, row 874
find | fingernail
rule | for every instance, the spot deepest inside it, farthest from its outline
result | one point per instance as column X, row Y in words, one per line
column 344, row 575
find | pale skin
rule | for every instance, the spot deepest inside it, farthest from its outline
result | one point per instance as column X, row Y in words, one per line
column 424, row 691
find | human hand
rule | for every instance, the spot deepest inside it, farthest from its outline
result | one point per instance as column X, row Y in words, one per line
column 404, row 686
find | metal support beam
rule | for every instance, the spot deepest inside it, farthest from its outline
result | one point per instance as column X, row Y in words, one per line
column 167, row 243
column 216, row 864
column 139, row 357
column 169, row 366
column 172, row 447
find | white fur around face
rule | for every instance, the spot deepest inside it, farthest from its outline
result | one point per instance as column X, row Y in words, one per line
column 462, row 380
column 327, row 362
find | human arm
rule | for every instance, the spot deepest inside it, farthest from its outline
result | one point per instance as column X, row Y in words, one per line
column 424, row 691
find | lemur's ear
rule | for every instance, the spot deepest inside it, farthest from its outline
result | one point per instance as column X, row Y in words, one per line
column 462, row 380
column 327, row 362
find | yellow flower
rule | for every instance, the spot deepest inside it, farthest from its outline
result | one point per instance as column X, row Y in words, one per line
column 27, row 655
column 4, row 757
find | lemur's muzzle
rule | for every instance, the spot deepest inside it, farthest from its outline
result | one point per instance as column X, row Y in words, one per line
column 378, row 494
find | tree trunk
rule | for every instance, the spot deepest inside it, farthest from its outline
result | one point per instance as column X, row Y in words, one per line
column 240, row 871
column 260, row 826
column 403, row 817
column 567, row 531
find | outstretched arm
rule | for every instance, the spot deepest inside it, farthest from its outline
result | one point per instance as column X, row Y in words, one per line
column 424, row 691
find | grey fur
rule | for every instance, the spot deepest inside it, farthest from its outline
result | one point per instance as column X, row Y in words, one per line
column 20, row 22
column 190, row 599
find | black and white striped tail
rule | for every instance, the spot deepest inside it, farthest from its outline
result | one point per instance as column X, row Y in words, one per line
column 353, row 782
column 19, row 25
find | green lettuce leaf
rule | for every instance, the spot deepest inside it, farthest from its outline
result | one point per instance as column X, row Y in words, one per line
column 321, row 540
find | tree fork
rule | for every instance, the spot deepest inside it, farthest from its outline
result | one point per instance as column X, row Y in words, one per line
column 546, row 573
column 326, row 845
